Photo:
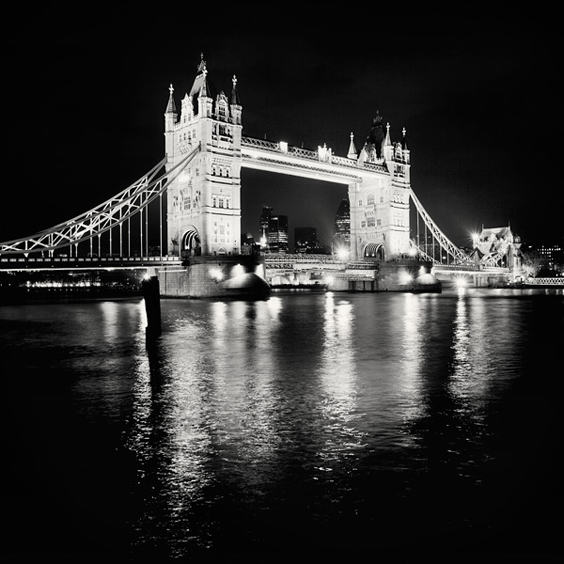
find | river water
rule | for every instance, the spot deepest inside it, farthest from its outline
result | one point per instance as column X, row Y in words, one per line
column 308, row 424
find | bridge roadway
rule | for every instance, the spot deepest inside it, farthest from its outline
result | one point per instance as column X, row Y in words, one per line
column 22, row 264
column 297, row 262
column 469, row 269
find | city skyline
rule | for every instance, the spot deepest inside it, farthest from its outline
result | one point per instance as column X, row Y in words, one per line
column 261, row 229
column 480, row 115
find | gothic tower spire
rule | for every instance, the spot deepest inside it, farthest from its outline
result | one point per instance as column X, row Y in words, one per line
column 352, row 154
column 171, row 106
column 170, row 119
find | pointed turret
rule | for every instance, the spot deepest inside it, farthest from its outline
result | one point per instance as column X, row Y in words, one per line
column 404, row 140
column 405, row 149
column 387, row 140
column 236, row 108
column 352, row 154
column 170, row 119
column 387, row 145
column 234, row 94
column 171, row 106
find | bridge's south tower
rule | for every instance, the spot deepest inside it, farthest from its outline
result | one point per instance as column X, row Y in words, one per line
column 204, row 202
column 380, row 203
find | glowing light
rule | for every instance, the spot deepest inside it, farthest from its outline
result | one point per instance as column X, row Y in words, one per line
column 284, row 146
column 412, row 251
column 405, row 277
column 238, row 270
column 461, row 282
column 342, row 254
column 216, row 273
column 475, row 238
column 426, row 279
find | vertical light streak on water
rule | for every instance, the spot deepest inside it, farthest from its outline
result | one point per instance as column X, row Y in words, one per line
column 471, row 361
column 408, row 380
column 485, row 337
column 337, row 374
column 243, row 341
column 203, row 420
column 170, row 433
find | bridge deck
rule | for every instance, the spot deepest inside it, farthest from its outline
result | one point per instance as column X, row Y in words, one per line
column 84, row 263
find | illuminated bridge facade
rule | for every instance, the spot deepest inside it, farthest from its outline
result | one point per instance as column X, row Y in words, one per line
column 189, row 204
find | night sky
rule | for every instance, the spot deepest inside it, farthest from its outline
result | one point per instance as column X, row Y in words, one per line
column 84, row 95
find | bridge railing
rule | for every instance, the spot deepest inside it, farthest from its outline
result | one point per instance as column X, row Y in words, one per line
column 546, row 281
column 278, row 261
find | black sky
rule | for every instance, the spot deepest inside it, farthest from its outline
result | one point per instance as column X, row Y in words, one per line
column 84, row 95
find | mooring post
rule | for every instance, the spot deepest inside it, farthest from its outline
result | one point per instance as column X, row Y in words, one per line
column 151, row 294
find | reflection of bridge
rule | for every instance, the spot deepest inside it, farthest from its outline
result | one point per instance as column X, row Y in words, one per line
column 189, row 204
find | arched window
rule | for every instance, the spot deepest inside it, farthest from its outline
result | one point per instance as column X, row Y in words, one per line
column 375, row 250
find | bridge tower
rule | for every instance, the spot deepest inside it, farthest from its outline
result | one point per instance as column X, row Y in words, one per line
column 204, row 202
column 380, row 206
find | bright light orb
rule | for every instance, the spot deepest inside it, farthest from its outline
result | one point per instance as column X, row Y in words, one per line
column 216, row 273
column 342, row 254
column 460, row 282
column 237, row 270
column 405, row 277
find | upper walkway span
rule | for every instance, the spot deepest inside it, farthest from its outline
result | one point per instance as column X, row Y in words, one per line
column 279, row 157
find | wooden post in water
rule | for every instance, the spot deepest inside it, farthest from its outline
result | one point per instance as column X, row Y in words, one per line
column 151, row 294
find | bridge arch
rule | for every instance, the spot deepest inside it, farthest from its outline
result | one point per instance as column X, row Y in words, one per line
column 191, row 240
column 375, row 250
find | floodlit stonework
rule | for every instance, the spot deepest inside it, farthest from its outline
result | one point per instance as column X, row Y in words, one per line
column 204, row 202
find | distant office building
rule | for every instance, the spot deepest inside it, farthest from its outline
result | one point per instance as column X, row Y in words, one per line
column 278, row 234
column 265, row 216
column 305, row 239
column 342, row 237
column 552, row 253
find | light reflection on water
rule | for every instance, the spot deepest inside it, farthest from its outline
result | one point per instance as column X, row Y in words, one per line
column 301, row 415
column 237, row 395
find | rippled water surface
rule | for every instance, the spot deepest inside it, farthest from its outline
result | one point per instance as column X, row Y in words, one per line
column 320, row 423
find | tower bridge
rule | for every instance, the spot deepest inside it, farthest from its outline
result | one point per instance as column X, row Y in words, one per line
column 188, row 206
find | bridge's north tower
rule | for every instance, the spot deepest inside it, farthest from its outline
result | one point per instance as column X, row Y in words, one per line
column 204, row 202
